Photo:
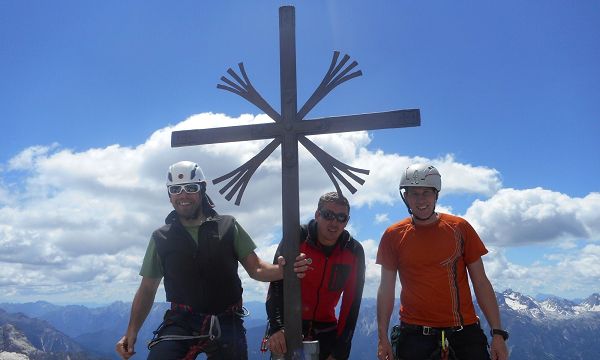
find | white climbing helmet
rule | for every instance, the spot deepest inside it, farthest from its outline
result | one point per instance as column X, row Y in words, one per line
column 185, row 172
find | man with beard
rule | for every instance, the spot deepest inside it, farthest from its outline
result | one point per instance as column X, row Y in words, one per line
column 197, row 252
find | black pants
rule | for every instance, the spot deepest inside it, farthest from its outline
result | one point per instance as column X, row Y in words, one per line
column 470, row 343
column 231, row 345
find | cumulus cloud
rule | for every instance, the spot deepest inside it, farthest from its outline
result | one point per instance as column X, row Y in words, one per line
column 563, row 231
column 382, row 183
column 575, row 272
column 27, row 158
column 466, row 178
column 522, row 217
column 75, row 224
column 372, row 271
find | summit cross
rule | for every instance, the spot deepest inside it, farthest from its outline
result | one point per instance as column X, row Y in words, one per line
column 288, row 129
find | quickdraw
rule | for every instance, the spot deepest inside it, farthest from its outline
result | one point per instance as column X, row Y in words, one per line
column 445, row 351
column 445, row 346
column 264, row 344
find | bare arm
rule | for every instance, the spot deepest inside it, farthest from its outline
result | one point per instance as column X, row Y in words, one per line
column 385, row 306
column 141, row 306
column 261, row 270
column 486, row 298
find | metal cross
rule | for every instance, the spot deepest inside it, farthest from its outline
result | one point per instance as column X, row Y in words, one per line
column 288, row 129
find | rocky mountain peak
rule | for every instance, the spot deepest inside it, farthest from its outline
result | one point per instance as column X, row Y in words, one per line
column 13, row 340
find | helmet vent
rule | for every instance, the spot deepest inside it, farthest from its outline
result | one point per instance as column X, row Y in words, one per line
column 185, row 172
column 421, row 175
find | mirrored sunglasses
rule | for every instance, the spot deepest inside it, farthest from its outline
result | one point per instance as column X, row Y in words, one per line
column 188, row 188
column 330, row 215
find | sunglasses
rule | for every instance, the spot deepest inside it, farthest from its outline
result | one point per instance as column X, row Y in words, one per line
column 188, row 188
column 330, row 215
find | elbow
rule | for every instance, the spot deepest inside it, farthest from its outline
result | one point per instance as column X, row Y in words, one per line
column 253, row 272
column 260, row 275
column 255, row 275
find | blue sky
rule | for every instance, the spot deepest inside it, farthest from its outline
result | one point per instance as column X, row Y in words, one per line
column 509, row 95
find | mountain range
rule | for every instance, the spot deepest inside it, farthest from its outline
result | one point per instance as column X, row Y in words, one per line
column 552, row 328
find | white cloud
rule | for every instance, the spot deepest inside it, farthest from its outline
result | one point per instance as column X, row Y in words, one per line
column 27, row 158
column 466, row 178
column 372, row 271
column 382, row 218
column 520, row 217
column 75, row 225
column 574, row 273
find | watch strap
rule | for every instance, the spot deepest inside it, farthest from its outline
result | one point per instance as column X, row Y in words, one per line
column 500, row 332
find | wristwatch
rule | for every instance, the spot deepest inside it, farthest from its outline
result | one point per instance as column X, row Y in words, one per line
column 500, row 332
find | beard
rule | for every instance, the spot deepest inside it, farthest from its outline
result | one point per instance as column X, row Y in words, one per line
column 188, row 212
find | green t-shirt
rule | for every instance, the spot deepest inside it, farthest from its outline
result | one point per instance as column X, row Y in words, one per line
column 152, row 268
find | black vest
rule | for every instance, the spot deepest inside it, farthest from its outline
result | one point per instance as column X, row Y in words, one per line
column 205, row 276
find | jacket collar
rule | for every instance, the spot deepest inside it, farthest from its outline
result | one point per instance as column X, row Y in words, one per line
column 173, row 218
column 343, row 240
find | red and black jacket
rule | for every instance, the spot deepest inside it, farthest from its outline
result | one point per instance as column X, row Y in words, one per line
column 329, row 276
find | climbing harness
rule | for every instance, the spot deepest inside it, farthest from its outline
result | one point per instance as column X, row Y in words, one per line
column 444, row 350
column 214, row 332
column 208, row 320
column 242, row 312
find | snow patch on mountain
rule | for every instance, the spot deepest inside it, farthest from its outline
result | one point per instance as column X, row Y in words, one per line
column 552, row 307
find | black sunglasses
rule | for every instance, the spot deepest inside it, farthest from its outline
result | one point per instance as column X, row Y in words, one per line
column 188, row 188
column 330, row 215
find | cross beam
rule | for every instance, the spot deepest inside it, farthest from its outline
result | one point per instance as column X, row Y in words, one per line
column 289, row 128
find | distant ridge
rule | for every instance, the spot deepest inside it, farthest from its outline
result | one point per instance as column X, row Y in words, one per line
column 36, row 339
column 547, row 328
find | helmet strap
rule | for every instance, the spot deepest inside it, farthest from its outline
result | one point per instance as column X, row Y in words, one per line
column 196, row 213
column 424, row 219
column 405, row 202
column 199, row 211
column 410, row 211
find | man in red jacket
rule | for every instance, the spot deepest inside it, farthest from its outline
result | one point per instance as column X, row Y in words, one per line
column 336, row 267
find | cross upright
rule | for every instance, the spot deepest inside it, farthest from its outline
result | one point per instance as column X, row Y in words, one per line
column 288, row 129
